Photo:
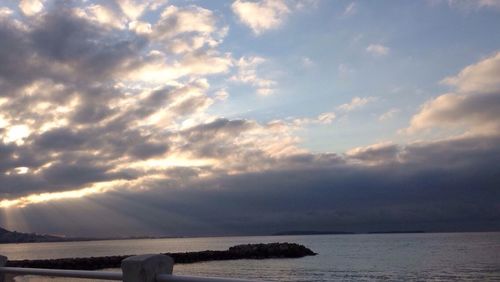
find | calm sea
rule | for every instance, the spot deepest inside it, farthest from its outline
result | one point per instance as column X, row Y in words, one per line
column 386, row 257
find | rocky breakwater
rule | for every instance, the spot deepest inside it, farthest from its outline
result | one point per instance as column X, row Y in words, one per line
column 249, row 251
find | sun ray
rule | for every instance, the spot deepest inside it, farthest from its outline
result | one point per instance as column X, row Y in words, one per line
column 97, row 188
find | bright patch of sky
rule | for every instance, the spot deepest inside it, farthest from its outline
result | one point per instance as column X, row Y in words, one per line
column 325, row 53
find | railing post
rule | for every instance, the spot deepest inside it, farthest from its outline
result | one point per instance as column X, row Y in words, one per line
column 144, row 268
column 3, row 261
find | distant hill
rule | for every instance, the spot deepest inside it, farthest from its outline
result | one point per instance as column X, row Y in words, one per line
column 396, row 232
column 310, row 232
column 7, row 236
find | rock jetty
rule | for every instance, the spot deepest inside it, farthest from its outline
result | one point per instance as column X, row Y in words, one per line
column 249, row 251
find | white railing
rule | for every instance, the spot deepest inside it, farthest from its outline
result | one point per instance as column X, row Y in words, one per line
column 144, row 268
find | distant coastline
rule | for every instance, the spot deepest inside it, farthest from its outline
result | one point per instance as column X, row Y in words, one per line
column 13, row 237
column 311, row 232
column 397, row 232
column 316, row 232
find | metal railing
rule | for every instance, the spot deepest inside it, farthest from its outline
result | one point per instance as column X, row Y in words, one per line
column 144, row 268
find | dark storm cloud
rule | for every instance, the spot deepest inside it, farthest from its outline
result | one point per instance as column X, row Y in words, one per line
column 220, row 126
column 156, row 98
column 91, row 112
column 71, row 171
column 17, row 65
column 427, row 191
column 13, row 156
column 216, row 138
column 74, row 174
column 14, row 184
column 148, row 150
column 60, row 138
column 85, row 52
column 63, row 37
column 459, row 152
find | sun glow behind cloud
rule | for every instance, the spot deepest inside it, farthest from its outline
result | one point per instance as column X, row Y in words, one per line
column 149, row 166
column 45, row 197
column 57, row 196
column 170, row 162
column 17, row 134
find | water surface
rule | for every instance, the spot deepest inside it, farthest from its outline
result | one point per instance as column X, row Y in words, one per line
column 367, row 257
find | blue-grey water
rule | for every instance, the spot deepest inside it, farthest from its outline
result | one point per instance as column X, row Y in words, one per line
column 370, row 257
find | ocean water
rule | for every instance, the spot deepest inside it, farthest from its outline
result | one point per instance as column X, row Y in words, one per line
column 367, row 257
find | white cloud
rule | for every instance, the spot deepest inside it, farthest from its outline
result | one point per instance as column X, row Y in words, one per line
column 247, row 74
column 326, row 118
column 186, row 29
column 378, row 153
column 356, row 103
column 471, row 4
column 323, row 118
column 221, row 95
column 261, row 15
column 481, row 77
column 474, row 106
column 140, row 27
column 265, row 91
column 5, row 12
column 175, row 20
column 378, row 50
column 132, row 9
column 488, row 3
column 345, row 69
column 158, row 69
column 305, row 4
column 350, row 9
column 307, row 62
column 103, row 15
column 206, row 63
column 389, row 114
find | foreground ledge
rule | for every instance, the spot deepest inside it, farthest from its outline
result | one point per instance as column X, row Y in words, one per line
column 143, row 268
column 249, row 251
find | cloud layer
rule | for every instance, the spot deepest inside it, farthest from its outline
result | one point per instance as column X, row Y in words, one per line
column 444, row 185
column 88, row 101
column 105, row 109
column 474, row 104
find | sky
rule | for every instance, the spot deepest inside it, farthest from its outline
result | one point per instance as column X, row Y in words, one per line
column 193, row 118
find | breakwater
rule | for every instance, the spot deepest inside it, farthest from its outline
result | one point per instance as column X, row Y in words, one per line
column 248, row 251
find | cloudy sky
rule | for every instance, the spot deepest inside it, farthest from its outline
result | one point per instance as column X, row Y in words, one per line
column 249, row 117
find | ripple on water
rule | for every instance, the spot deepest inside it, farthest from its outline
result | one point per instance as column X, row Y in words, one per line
column 379, row 257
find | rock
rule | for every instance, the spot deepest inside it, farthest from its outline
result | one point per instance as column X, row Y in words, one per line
column 248, row 251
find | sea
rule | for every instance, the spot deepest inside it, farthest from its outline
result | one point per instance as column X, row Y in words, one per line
column 360, row 257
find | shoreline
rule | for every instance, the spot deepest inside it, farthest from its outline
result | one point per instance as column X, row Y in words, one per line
column 69, row 240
